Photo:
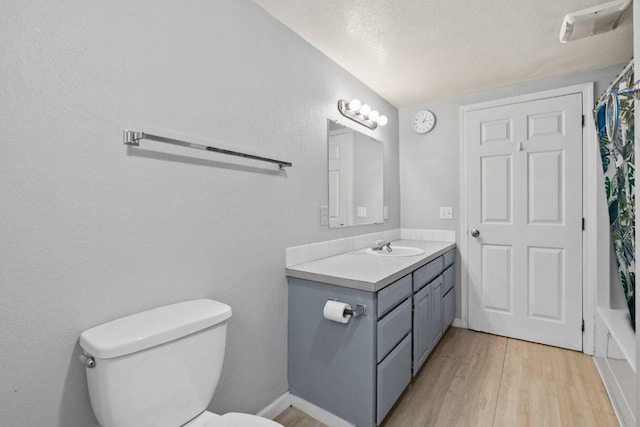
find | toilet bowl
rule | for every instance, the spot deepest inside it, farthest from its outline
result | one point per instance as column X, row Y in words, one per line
column 160, row 367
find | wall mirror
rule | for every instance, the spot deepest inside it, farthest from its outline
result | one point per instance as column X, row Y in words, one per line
column 355, row 177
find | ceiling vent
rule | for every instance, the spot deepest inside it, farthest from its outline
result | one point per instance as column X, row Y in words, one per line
column 594, row 20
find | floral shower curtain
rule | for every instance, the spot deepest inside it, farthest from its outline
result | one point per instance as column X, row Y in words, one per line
column 619, row 185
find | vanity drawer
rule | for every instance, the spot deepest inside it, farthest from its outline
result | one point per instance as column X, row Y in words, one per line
column 426, row 273
column 393, row 328
column 449, row 258
column 394, row 375
column 449, row 278
column 390, row 296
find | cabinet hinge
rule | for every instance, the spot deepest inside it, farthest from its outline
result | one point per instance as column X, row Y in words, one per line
column 583, row 225
column 582, row 325
column 583, row 120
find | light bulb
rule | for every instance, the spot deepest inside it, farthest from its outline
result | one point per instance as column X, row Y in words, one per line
column 374, row 115
column 365, row 110
column 382, row 120
column 354, row 105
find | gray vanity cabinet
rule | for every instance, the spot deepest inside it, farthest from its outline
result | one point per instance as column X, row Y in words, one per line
column 358, row 370
column 333, row 365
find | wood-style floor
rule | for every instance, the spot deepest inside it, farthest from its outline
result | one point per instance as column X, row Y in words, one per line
column 476, row 379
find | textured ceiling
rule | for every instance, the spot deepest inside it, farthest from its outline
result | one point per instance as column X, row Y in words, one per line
column 413, row 51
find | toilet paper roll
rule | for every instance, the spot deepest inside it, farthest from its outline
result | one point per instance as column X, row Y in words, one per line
column 334, row 310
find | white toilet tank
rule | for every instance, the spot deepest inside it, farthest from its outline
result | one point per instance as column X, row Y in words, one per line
column 159, row 367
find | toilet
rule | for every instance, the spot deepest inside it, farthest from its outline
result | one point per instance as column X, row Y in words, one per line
column 160, row 367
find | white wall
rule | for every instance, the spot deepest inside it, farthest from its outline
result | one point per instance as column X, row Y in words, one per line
column 92, row 230
column 430, row 163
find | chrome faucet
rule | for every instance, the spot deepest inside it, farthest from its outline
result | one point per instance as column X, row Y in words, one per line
column 378, row 245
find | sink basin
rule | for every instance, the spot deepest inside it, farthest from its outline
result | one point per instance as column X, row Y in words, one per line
column 397, row 251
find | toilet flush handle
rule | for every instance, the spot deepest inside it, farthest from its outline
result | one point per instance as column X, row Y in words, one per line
column 87, row 360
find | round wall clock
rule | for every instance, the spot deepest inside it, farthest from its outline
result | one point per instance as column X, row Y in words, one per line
column 423, row 121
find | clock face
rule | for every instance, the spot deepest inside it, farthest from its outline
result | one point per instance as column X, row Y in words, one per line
column 423, row 121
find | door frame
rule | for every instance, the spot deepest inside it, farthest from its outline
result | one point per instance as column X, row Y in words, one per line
column 595, row 247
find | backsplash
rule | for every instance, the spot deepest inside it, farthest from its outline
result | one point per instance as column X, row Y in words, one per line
column 434, row 235
column 305, row 253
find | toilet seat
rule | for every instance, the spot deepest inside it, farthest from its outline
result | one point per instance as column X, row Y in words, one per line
column 232, row 419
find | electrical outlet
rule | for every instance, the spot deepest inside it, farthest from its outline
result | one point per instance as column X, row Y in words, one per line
column 362, row 212
column 446, row 212
column 385, row 212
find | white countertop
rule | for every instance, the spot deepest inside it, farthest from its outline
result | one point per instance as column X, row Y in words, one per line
column 359, row 270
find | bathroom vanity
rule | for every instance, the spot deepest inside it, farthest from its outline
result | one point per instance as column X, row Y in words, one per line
column 358, row 370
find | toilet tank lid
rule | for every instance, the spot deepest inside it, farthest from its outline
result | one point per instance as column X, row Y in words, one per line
column 152, row 327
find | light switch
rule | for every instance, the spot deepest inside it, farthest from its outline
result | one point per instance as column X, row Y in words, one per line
column 385, row 214
column 446, row 212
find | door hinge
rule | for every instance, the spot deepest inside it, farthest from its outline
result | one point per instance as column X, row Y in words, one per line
column 582, row 325
column 583, row 225
column 583, row 120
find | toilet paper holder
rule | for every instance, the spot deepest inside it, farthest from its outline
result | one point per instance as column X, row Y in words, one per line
column 360, row 310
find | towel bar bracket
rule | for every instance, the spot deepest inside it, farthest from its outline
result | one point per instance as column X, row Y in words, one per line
column 132, row 137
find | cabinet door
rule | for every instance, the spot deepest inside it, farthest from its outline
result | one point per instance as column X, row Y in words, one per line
column 422, row 335
column 435, row 315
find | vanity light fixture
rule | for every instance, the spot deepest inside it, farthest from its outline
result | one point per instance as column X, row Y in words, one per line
column 361, row 113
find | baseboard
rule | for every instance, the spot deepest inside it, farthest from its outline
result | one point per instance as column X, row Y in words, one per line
column 274, row 409
column 459, row 323
column 626, row 418
column 318, row 413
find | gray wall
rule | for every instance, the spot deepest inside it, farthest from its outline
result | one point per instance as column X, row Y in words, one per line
column 92, row 230
column 430, row 163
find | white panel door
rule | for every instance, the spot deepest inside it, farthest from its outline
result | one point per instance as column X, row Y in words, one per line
column 524, row 200
column 340, row 158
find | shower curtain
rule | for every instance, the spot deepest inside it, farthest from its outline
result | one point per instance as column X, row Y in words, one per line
column 619, row 185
